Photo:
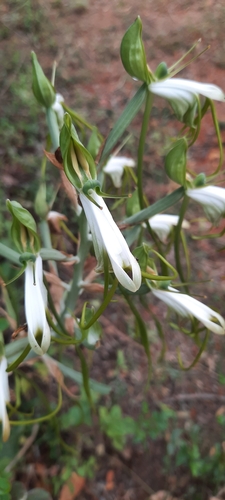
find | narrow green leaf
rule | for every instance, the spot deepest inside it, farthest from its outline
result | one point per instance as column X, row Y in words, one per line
column 10, row 254
column 77, row 377
column 124, row 120
column 19, row 360
column 157, row 207
column 53, row 254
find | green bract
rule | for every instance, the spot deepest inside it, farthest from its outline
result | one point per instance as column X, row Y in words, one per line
column 132, row 53
column 175, row 162
column 23, row 228
column 42, row 88
column 79, row 165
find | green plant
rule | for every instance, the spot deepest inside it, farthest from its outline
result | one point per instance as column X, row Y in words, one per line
column 115, row 426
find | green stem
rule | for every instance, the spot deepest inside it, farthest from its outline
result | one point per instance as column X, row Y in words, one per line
column 47, row 243
column 102, row 307
column 141, row 146
column 73, row 294
column 53, row 127
column 178, row 230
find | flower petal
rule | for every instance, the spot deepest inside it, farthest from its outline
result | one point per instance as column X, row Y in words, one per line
column 115, row 167
column 4, row 398
column 108, row 239
column 35, row 305
column 212, row 198
column 168, row 89
column 188, row 307
column 162, row 224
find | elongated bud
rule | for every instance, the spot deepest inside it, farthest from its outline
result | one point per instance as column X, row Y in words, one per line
column 79, row 166
column 175, row 162
column 161, row 71
column 40, row 204
column 200, row 180
column 23, row 230
column 132, row 53
column 94, row 143
column 41, row 86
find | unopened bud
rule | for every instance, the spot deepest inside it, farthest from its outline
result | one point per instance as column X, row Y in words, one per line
column 41, row 86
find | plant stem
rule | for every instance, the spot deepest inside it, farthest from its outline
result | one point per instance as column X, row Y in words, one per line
column 46, row 239
column 73, row 294
column 53, row 127
column 141, row 146
column 178, row 229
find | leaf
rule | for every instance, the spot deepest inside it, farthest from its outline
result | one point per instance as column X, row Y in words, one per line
column 18, row 491
column 157, row 207
column 38, row 494
column 124, row 120
column 77, row 377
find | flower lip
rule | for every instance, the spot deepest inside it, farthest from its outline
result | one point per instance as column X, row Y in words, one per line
column 212, row 198
column 187, row 306
column 35, row 306
column 115, row 167
column 107, row 239
column 171, row 87
column 162, row 224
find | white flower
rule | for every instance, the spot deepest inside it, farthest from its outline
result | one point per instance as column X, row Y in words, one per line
column 182, row 93
column 107, row 239
column 212, row 198
column 4, row 398
column 35, row 306
column 179, row 87
column 115, row 167
column 188, row 307
column 57, row 107
column 162, row 224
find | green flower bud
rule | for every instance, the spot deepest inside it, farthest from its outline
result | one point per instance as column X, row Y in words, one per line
column 42, row 88
column 161, row 71
column 175, row 162
column 94, row 143
column 200, row 180
column 23, row 230
column 132, row 204
column 40, row 205
column 79, row 166
column 132, row 53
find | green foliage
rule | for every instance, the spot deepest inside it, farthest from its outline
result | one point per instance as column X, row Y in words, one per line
column 115, row 426
column 185, row 448
column 152, row 425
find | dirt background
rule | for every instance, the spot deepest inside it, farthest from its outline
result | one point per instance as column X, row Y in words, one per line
column 84, row 38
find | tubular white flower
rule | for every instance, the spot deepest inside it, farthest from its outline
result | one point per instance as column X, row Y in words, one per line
column 4, row 398
column 115, row 167
column 107, row 239
column 35, row 306
column 188, row 307
column 162, row 224
column 181, row 89
column 57, row 107
column 212, row 198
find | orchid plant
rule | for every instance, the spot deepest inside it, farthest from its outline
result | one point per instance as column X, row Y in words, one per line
column 131, row 255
